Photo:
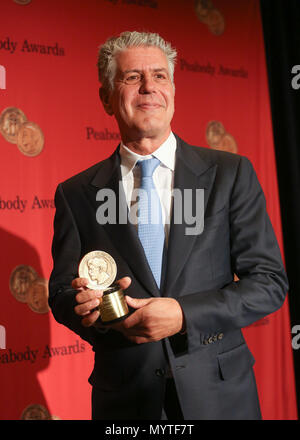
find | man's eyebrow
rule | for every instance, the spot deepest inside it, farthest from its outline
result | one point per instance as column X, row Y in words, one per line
column 158, row 69
column 132, row 70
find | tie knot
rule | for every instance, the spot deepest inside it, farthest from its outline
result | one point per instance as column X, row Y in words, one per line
column 148, row 166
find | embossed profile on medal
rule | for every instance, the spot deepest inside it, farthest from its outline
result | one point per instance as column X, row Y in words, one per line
column 97, row 269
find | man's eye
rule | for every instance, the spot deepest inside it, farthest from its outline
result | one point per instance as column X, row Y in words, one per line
column 160, row 76
column 132, row 78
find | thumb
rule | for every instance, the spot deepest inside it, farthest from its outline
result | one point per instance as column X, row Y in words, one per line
column 137, row 303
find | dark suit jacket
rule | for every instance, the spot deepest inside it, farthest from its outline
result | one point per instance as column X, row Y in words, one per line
column 211, row 363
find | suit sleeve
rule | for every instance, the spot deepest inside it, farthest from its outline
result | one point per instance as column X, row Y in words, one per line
column 66, row 251
column 255, row 258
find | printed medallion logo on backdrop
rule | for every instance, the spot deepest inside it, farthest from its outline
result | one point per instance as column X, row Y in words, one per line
column 37, row 296
column 218, row 138
column 30, row 140
column 22, row 2
column 35, row 412
column 16, row 129
column 27, row 287
column 210, row 16
column 11, row 120
column 20, row 279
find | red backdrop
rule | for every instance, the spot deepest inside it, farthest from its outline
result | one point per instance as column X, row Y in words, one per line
column 48, row 56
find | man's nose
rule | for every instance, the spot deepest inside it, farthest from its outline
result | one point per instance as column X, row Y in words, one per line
column 147, row 84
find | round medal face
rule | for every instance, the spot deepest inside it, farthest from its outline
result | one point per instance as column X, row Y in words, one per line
column 99, row 268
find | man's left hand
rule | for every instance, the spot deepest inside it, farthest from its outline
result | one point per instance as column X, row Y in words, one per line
column 153, row 319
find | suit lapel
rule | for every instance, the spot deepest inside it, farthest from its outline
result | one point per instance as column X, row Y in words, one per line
column 122, row 233
column 191, row 172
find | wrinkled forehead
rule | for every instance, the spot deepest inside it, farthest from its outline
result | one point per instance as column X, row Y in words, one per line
column 143, row 58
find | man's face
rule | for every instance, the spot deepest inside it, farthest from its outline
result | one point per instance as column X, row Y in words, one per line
column 143, row 97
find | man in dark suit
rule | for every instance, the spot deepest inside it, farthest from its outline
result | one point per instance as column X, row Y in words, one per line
column 181, row 353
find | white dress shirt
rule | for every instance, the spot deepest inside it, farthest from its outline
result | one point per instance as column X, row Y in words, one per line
column 163, row 175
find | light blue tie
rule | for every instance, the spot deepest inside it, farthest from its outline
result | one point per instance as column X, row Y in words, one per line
column 150, row 226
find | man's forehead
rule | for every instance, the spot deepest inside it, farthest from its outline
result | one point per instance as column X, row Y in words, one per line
column 141, row 57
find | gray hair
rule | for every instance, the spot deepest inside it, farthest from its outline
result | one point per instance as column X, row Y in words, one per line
column 108, row 51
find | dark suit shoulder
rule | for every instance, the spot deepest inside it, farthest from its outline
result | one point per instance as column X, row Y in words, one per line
column 209, row 156
column 86, row 176
column 83, row 176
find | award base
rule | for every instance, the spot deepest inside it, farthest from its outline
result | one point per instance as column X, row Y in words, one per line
column 113, row 307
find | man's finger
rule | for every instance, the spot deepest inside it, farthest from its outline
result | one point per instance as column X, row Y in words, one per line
column 134, row 321
column 87, row 295
column 90, row 319
column 86, row 307
column 78, row 283
column 124, row 282
column 137, row 303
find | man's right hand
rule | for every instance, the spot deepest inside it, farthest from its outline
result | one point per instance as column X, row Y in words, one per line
column 89, row 299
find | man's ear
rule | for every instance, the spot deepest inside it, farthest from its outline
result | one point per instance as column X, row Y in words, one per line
column 104, row 96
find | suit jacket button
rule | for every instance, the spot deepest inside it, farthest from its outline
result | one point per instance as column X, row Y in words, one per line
column 160, row 372
column 220, row 336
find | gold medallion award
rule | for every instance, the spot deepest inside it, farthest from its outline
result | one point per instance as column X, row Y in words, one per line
column 101, row 270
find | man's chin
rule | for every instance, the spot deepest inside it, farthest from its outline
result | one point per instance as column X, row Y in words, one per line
column 149, row 129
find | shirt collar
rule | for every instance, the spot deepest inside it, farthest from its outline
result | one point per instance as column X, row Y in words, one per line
column 165, row 153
